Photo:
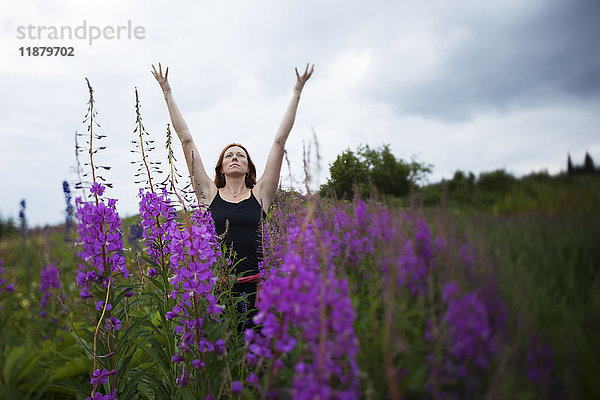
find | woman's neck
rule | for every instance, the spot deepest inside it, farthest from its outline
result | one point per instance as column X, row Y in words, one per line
column 235, row 186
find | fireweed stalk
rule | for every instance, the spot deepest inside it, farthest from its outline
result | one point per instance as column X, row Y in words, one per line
column 273, row 238
column 467, row 346
column 182, row 255
column 102, row 258
column 143, row 146
column 49, row 287
column 194, row 251
column 305, row 307
column 466, row 329
column 156, row 209
column 157, row 214
column 400, row 248
column 98, row 227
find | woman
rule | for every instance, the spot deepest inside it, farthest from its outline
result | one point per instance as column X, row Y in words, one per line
column 237, row 201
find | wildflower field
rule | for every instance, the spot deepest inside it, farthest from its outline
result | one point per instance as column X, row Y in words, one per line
column 359, row 300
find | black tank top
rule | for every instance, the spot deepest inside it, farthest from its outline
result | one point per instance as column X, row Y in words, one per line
column 243, row 230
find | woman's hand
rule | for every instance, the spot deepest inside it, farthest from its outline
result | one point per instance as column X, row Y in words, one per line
column 301, row 79
column 162, row 79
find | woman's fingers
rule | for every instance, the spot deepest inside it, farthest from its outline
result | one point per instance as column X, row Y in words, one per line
column 312, row 69
column 159, row 74
column 307, row 73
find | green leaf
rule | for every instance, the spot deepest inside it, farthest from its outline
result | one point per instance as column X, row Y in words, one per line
column 75, row 366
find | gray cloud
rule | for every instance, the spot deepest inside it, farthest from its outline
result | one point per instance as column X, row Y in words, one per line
column 501, row 61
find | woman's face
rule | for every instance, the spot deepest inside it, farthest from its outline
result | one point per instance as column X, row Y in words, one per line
column 235, row 161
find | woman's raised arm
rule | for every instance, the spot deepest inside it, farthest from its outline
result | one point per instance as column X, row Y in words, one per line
column 267, row 185
column 205, row 188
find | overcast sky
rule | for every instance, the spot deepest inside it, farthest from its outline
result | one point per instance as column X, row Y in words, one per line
column 462, row 84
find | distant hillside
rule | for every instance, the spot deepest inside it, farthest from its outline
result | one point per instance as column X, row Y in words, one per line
column 502, row 193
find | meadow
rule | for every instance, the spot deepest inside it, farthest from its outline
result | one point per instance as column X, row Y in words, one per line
column 426, row 297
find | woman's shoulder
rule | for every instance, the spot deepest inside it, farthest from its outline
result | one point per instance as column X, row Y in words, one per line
column 210, row 199
column 263, row 198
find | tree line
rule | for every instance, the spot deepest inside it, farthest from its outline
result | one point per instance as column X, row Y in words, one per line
column 367, row 170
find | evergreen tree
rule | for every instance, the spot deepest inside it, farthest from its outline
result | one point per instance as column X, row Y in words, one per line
column 588, row 163
column 570, row 169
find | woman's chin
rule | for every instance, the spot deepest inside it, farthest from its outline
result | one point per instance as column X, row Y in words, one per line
column 235, row 173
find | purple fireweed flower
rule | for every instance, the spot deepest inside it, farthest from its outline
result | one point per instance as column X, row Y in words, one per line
column 157, row 219
column 415, row 260
column 193, row 249
column 423, row 241
column 49, row 282
column 237, row 387
column 468, row 344
column 469, row 330
column 360, row 212
column 220, row 347
column 412, row 269
column 291, row 303
column 101, row 376
column 99, row 230
column 353, row 239
column 184, row 377
column 100, row 305
column 99, row 396
column 381, row 227
column 272, row 240
column 49, row 278
column 97, row 189
column 112, row 323
column 450, row 291
column 252, row 379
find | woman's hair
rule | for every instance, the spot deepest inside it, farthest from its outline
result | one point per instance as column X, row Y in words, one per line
column 250, row 176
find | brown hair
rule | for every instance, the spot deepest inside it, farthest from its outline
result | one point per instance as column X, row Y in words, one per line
column 250, row 176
